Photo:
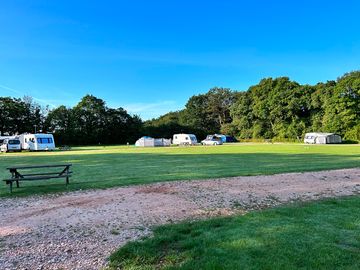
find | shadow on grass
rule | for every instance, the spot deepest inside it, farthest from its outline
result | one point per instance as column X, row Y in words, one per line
column 118, row 169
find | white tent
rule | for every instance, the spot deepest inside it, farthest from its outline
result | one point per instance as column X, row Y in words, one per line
column 151, row 142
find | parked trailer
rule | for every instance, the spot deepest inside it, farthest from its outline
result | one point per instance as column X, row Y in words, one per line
column 37, row 142
column 184, row 139
column 322, row 138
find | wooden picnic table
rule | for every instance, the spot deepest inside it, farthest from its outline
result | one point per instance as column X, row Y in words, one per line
column 17, row 176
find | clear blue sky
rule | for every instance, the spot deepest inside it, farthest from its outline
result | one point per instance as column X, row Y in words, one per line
column 151, row 56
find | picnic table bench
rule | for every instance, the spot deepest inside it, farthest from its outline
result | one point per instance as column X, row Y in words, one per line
column 17, row 176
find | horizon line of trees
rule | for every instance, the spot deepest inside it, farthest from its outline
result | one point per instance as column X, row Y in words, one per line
column 277, row 108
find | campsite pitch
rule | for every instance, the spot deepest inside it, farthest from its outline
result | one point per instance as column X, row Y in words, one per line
column 79, row 230
column 104, row 167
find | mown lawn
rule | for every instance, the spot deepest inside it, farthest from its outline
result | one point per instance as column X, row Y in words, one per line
column 318, row 235
column 103, row 167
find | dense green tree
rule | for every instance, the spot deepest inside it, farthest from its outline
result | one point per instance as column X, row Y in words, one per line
column 274, row 108
column 342, row 111
column 61, row 121
column 19, row 115
column 208, row 112
column 168, row 124
column 92, row 122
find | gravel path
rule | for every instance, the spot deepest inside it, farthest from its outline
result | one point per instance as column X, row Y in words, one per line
column 79, row 230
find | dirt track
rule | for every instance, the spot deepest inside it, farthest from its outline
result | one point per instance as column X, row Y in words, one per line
column 78, row 230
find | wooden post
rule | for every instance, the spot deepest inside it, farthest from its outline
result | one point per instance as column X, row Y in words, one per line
column 10, row 187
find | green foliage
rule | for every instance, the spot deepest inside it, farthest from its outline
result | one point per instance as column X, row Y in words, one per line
column 342, row 115
column 20, row 115
column 208, row 112
column 92, row 122
column 277, row 108
column 317, row 235
column 282, row 109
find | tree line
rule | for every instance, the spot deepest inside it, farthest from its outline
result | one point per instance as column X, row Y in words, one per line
column 275, row 108
column 278, row 109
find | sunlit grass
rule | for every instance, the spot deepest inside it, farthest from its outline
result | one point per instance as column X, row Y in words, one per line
column 323, row 235
column 110, row 166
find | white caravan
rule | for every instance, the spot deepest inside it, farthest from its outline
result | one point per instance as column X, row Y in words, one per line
column 184, row 139
column 37, row 142
column 322, row 138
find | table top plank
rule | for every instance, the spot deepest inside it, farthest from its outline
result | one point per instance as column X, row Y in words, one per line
column 40, row 166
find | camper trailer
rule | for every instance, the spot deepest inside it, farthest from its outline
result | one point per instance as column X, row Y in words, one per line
column 37, row 142
column 184, row 139
column 321, row 138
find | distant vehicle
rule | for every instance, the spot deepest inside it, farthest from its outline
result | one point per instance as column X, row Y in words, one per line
column 230, row 139
column 10, row 145
column 37, row 142
column 184, row 139
column 226, row 138
column 212, row 140
column 322, row 138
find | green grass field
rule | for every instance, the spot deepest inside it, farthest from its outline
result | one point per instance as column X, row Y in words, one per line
column 110, row 166
column 323, row 235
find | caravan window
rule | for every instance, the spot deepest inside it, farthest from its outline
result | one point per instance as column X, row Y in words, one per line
column 186, row 138
column 44, row 140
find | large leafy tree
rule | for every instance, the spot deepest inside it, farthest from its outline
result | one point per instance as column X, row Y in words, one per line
column 61, row 121
column 342, row 111
column 208, row 112
column 19, row 115
column 90, row 116
column 92, row 122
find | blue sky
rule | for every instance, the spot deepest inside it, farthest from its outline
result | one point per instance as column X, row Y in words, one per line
column 151, row 56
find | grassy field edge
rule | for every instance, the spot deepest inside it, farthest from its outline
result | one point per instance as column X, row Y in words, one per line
column 313, row 235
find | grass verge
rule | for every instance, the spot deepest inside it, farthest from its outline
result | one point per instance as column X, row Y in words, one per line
column 316, row 235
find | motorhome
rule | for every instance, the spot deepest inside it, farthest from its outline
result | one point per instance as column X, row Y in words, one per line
column 37, row 142
column 184, row 139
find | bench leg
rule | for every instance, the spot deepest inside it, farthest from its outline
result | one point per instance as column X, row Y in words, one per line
column 17, row 184
column 67, row 180
column 10, row 186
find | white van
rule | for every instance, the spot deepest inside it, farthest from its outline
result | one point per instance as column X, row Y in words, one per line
column 37, row 142
column 10, row 145
column 184, row 139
